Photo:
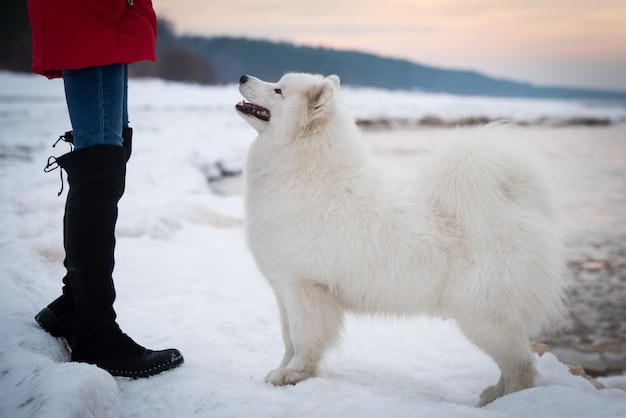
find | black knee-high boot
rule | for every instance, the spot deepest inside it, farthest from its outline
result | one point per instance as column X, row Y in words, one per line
column 58, row 317
column 96, row 177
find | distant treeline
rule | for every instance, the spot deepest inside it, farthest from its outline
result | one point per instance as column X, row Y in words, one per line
column 222, row 60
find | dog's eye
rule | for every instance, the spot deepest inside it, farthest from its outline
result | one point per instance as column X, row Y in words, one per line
column 278, row 91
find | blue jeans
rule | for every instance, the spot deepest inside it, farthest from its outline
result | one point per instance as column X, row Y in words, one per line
column 97, row 103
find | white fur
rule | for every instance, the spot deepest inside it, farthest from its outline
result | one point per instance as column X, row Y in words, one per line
column 472, row 238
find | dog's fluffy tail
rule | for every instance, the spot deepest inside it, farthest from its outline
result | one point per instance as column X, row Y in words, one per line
column 487, row 175
column 496, row 195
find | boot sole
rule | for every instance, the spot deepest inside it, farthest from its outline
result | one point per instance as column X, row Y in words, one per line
column 125, row 369
column 148, row 372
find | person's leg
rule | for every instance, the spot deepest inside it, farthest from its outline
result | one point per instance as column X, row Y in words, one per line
column 96, row 101
column 97, row 104
column 96, row 98
column 96, row 173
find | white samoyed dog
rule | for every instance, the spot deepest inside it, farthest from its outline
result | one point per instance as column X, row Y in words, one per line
column 473, row 237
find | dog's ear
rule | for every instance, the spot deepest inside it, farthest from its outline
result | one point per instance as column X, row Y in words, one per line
column 323, row 92
column 335, row 80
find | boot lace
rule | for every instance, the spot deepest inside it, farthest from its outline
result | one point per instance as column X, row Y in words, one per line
column 52, row 163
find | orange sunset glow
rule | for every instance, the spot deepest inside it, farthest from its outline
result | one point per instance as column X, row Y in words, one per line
column 557, row 42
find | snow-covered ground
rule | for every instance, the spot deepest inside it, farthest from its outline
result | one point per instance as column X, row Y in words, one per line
column 185, row 279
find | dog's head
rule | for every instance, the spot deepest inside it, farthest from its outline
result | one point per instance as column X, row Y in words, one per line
column 297, row 98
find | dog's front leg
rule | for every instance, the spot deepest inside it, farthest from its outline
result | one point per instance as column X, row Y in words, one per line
column 311, row 320
column 284, row 322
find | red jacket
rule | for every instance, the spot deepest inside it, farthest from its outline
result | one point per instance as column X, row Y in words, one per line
column 73, row 34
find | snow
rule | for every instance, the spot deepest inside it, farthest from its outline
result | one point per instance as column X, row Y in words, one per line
column 185, row 279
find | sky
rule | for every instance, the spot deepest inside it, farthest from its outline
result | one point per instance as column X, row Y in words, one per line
column 546, row 42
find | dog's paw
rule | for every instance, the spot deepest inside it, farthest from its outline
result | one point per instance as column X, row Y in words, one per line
column 283, row 377
column 490, row 394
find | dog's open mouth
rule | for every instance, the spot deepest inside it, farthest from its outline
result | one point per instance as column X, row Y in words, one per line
column 254, row 110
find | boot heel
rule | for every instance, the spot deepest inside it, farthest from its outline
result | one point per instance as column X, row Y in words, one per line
column 51, row 323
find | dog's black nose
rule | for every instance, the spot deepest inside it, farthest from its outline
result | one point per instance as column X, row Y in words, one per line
column 243, row 79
